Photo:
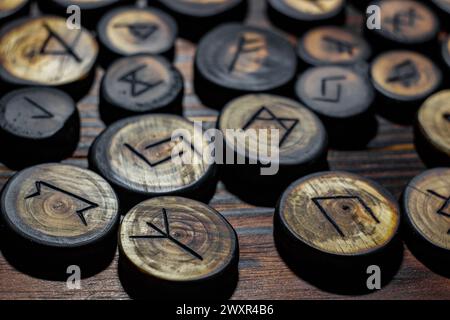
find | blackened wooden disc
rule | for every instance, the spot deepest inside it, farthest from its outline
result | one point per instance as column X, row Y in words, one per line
column 140, row 84
column 296, row 16
column 443, row 11
column 37, row 125
column 405, row 24
column 177, row 242
column 302, row 140
column 131, row 30
column 44, row 52
column 432, row 132
column 403, row 80
column 426, row 206
column 59, row 206
column 332, row 45
column 337, row 214
column 10, row 9
column 234, row 59
column 140, row 158
column 446, row 51
column 196, row 17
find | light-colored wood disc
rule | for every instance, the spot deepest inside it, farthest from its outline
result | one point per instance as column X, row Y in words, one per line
column 131, row 30
column 177, row 239
column 407, row 21
column 86, row 4
column 308, row 10
column 59, row 206
column 136, row 154
column 301, row 136
column 200, row 8
column 339, row 213
column 426, row 204
column 434, row 121
column 405, row 75
column 8, row 7
column 332, row 45
column 43, row 51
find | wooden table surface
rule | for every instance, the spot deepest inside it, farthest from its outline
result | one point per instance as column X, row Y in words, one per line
column 390, row 159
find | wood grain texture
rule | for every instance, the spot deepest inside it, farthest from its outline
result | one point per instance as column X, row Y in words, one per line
column 308, row 10
column 390, row 159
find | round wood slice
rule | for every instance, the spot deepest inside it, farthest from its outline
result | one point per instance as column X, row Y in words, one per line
column 135, row 156
column 234, row 59
column 140, row 84
column 332, row 45
column 446, row 51
column 433, row 129
column 44, row 52
column 37, row 125
column 131, row 30
column 178, row 244
column 11, row 9
column 341, row 97
column 336, row 215
column 297, row 16
column 426, row 206
column 302, row 145
column 443, row 10
column 405, row 24
column 196, row 17
column 403, row 80
column 59, row 206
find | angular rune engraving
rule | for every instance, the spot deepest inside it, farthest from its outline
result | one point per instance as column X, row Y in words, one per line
column 340, row 46
column 141, row 31
column 67, row 49
column 138, row 87
column 404, row 19
column 44, row 113
column 445, row 208
column 166, row 235
column 331, row 89
column 250, row 52
column 356, row 201
column 79, row 212
column 264, row 114
column 405, row 73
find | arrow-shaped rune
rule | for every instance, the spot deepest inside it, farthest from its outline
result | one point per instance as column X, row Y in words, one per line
column 80, row 213
column 46, row 114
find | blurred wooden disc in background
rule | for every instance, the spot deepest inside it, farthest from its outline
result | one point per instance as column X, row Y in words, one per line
column 11, row 9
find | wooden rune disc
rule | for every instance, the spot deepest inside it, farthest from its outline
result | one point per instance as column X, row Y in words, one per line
column 426, row 207
column 299, row 15
column 405, row 24
column 433, row 129
column 130, row 30
column 332, row 45
column 135, row 156
column 337, row 214
column 37, row 125
column 140, row 84
column 405, row 78
column 59, row 206
column 446, row 51
column 178, row 241
column 12, row 9
column 233, row 59
column 302, row 139
column 44, row 52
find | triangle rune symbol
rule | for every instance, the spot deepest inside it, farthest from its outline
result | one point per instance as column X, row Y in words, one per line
column 141, row 31
column 80, row 212
column 165, row 234
column 138, row 87
column 264, row 114
column 66, row 49
column 44, row 113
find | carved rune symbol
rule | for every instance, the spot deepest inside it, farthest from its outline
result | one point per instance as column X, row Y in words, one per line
column 405, row 73
column 337, row 45
column 166, row 144
column 264, row 114
column 445, row 208
column 345, row 203
column 138, row 87
column 44, row 113
column 331, row 89
column 141, row 31
column 404, row 19
column 250, row 53
column 66, row 49
column 80, row 212
column 166, row 235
